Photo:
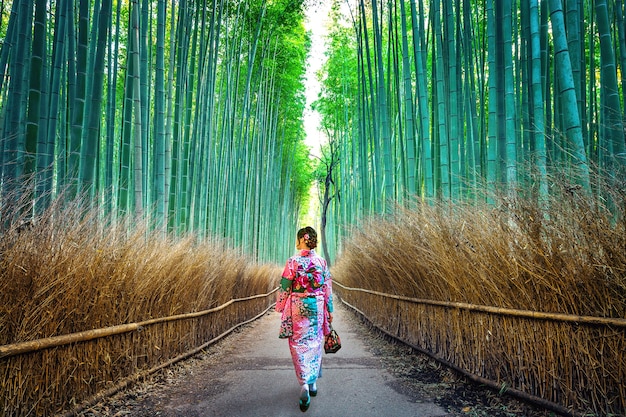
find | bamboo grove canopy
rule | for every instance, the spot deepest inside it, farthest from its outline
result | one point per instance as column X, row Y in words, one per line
column 456, row 100
column 189, row 112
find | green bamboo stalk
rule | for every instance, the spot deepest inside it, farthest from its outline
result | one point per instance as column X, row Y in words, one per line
column 567, row 93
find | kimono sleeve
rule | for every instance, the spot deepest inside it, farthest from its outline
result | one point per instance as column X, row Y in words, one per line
column 285, row 287
column 289, row 273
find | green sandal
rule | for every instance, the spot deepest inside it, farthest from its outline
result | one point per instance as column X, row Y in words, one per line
column 305, row 400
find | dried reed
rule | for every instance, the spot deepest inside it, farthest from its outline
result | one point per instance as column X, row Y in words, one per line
column 570, row 260
column 73, row 271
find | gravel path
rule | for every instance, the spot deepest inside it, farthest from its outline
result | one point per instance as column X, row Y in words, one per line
column 250, row 374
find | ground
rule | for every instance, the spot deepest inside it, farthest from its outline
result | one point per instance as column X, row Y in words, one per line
column 418, row 377
column 423, row 377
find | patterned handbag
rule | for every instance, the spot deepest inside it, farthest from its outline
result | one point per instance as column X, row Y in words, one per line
column 332, row 342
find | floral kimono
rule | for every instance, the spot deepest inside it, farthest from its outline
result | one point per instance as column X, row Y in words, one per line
column 305, row 299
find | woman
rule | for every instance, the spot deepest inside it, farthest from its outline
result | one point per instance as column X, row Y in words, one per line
column 305, row 301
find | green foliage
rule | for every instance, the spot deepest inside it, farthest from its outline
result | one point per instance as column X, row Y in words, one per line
column 303, row 175
column 293, row 45
column 464, row 85
column 230, row 106
column 339, row 92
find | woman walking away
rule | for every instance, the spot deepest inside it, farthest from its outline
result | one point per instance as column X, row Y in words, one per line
column 305, row 301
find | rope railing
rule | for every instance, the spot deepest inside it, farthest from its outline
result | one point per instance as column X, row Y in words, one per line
column 567, row 318
column 473, row 377
column 62, row 375
column 570, row 364
column 127, row 381
column 55, row 341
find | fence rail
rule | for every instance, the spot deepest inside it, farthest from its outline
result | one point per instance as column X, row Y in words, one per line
column 570, row 364
column 571, row 318
column 62, row 374
column 50, row 342
column 125, row 382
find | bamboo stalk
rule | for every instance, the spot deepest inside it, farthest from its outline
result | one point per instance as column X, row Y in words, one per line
column 568, row 318
column 50, row 342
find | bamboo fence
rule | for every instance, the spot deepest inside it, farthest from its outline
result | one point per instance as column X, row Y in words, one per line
column 62, row 374
column 574, row 365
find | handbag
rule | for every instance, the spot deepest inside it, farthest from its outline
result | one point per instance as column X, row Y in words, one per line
column 332, row 342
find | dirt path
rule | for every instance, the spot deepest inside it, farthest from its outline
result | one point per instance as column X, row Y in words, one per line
column 250, row 374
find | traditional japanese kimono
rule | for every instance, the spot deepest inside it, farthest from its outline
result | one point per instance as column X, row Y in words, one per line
column 305, row 299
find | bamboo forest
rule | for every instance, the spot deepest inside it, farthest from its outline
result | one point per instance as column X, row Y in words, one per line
column 156, row 161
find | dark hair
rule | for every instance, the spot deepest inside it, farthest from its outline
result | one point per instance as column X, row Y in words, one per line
column 311, row 242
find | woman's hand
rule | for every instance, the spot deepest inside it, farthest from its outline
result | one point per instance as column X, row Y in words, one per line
column 330, row 317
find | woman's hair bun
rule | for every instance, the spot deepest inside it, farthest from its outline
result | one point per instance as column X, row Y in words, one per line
column 310, row 236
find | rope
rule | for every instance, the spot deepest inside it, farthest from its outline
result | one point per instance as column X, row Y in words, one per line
column 568, row 318
column 127, row 381
column 473, row 377
column 50, row 342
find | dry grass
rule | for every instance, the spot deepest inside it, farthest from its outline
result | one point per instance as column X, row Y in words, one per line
column 69, row 273
column 571, row 261
column 72, row 271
